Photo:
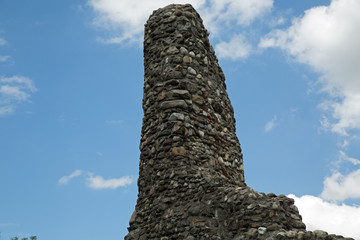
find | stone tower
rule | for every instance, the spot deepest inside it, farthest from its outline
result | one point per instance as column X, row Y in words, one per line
column 191, row 181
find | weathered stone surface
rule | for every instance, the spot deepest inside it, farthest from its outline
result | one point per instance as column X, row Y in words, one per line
column 173, row 104
column 179, row 151
column 176, row 117
column 191, row 180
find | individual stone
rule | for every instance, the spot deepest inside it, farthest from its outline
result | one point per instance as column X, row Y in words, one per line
column 173, row 104
column 320, row 234
column 191, row 70
column 190, row 238
column 301, row 235
column 167, row 14
column 187, row 59
column 162, row 95
column 172, row 51
column 197, row 99
column 183, row 50
column 291, row 234
column 206, row 61
column 177, row 116
column 179, row 151
column 133, row 217
column 262, row 230
column 178, row 93
column 201, row 133
column 178, row 13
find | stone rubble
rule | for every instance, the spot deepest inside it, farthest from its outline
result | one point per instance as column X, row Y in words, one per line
column 191, row 181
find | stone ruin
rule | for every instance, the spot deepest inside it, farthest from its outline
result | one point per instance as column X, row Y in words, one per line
column 191, row 181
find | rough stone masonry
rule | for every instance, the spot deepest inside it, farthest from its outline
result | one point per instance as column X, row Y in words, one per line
column 191, row 181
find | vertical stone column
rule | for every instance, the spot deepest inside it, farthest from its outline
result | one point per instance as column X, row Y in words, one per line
column 191, row 181
column 188, row 120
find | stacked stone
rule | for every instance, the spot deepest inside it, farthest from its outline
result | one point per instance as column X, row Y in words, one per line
column 191, row 181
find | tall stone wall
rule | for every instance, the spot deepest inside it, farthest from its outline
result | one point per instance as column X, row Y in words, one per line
column 191, row 181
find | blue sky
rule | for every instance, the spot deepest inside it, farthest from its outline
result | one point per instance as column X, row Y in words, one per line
column 71, row 79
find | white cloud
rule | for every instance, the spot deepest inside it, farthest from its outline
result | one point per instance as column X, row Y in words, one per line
column 216, row 13
column 271, row 124
column 98, row 182
column 13, row 91
column 339, row 187
column 65, row 179
column 327, row 39
column 236, row 48
column 333, row 218
column 129, row 16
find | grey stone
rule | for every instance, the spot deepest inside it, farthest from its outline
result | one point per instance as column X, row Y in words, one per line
column 320, row 233
column 262, row 230
column 173, row 104
column 187, row 59
column 177, row 116
column 184, row 50
column 190, row 238
column 177, row 93
column 133, row 217
column 172, row 50
column 191, row 70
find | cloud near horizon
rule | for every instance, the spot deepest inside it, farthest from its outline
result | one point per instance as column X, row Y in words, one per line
column 331, row 217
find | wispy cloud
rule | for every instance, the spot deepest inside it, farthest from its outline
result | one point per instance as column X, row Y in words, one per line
column 2, row 41
column 331, row 217
column 4, row 58
column 7, row 224
column 344, row 157
column 65, row 179
column 98, row 182
column 271, row 124
column 327, row 39
column 13, row 91
column 114, row 121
